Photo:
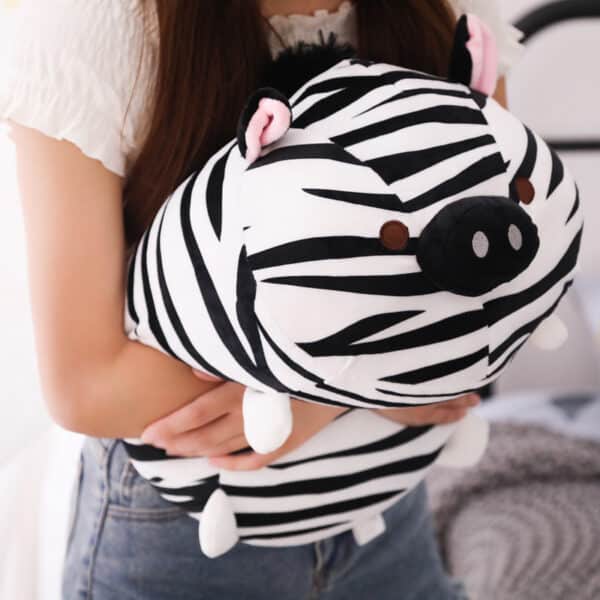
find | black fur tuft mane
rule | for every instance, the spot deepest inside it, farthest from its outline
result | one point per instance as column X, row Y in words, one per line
column 300, row 63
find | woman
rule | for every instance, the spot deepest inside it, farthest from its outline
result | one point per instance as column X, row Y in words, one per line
column 112, row 104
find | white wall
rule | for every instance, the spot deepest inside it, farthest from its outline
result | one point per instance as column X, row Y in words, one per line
column 556, row 90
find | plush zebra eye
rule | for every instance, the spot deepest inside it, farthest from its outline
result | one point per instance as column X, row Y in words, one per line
column 525, row 190
column 481, row 244
column 515, row 237
column 394, row 235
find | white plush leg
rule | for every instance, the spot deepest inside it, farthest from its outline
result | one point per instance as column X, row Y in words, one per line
column 551, row 334
column 467, row 444
column 218, row 528
column 368, row 530
column 267, row 420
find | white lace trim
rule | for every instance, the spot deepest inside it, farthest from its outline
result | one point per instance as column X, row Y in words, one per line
column 294, row 28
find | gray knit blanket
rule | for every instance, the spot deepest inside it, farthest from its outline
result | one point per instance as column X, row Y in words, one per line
column 524, row 524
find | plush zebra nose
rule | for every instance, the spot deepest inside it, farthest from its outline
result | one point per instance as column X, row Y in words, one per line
column 474, row 245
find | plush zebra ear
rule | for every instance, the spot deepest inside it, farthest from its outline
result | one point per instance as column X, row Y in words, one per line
column 474, row 59
column 265, row 119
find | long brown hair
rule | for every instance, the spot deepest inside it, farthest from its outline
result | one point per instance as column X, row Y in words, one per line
column 211, row 57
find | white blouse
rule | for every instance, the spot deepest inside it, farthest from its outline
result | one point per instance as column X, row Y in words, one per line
column 69, row 68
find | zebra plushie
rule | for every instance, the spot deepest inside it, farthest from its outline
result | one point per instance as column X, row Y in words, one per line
column 383, row 239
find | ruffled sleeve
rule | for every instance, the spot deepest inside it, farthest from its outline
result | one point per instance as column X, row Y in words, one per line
column 508, row 37
column 69, row 68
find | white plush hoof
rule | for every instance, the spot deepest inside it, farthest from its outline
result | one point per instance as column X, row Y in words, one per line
column 267, row 420
column 467, row 444
column 218, row 528
column 368, row 530
column 551, row 334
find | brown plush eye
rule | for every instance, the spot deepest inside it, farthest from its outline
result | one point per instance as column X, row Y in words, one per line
column 394, row 235
column 525, row 190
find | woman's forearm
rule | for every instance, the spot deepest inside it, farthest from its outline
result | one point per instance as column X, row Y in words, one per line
column 121, row 395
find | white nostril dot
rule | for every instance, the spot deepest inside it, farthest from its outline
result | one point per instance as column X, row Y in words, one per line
column 515, row 237
column 481, row 244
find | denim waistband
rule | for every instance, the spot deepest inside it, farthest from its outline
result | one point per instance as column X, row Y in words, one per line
column 99, row 446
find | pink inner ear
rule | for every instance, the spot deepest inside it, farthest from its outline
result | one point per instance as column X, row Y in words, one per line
column 484, row 54
column 268, row 124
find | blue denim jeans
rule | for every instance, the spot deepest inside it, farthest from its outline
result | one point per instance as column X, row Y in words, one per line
column 127, row 543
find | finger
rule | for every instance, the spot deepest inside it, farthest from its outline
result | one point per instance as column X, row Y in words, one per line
column 203, row 440
column 308, row 420
column 450, row 416
column 466, row 400
column 249, row 461
column 233, row 445
column 201, row 411
column 205, row 376
column 471, row 400
column 409, row 416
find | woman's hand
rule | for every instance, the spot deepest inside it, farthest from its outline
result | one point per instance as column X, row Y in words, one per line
column 210, row 425
column 213, row 426
column 309, row 419
column 433, row 414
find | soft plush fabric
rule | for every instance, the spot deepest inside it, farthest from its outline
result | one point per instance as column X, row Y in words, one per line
column 396, row 246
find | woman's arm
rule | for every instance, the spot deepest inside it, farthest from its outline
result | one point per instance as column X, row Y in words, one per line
column 94, row 379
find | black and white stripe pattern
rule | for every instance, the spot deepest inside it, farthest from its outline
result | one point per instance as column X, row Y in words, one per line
column 316, row 491
column 274, row 276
